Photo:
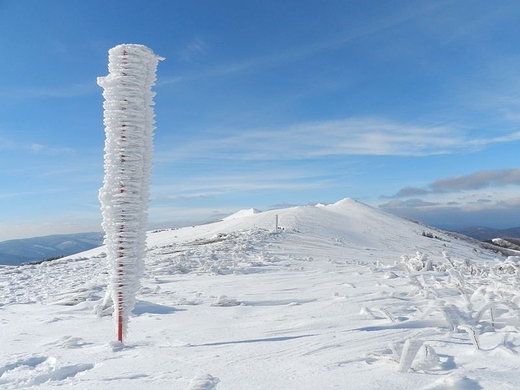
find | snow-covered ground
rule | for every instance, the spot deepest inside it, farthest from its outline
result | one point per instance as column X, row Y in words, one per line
column 342, row 296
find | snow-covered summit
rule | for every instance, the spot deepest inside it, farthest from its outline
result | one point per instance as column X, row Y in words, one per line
column 242, row 214
column 356, row 222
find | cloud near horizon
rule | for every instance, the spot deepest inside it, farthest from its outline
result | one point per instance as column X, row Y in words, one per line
column 407, row 203
column 500, row 213
column 474, row 181
column 462, row 200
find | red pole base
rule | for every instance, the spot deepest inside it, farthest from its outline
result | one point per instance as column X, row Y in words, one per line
column 120, row 328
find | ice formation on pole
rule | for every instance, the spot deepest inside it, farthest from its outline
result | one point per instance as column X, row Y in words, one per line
column 129, row 125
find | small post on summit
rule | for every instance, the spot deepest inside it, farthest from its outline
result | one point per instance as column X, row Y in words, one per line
column 129, row 125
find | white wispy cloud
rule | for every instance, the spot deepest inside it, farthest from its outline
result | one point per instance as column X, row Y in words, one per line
column 349, row 137
column 218, row 184
column 50, row 150
column 512, row 137
column 170, row 217
column 493, row 208
column 6, row 144
column 194, row 49
column 31, row 92
column 35, row 147
column 34, row 192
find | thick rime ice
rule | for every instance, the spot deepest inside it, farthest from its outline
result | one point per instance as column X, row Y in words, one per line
column 129, row 126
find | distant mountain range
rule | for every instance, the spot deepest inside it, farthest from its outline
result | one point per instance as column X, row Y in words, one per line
column 26, row 250
column 486, row 234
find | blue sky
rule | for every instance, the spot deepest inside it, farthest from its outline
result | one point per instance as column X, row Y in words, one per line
column 410, row 106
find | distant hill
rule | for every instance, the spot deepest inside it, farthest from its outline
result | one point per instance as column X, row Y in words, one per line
column 25, row 250
column 485, row 234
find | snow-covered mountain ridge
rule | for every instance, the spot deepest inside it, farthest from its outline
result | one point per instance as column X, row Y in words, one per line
column 484, row 233
column 341, row 296
column 16, row 252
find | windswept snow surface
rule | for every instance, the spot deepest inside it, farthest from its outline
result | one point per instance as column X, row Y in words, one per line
column 342, row 296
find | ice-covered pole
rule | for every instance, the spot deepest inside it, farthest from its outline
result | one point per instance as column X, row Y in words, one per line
column 129, row 125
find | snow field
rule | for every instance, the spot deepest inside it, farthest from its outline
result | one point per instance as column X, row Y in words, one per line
column 344, row 297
